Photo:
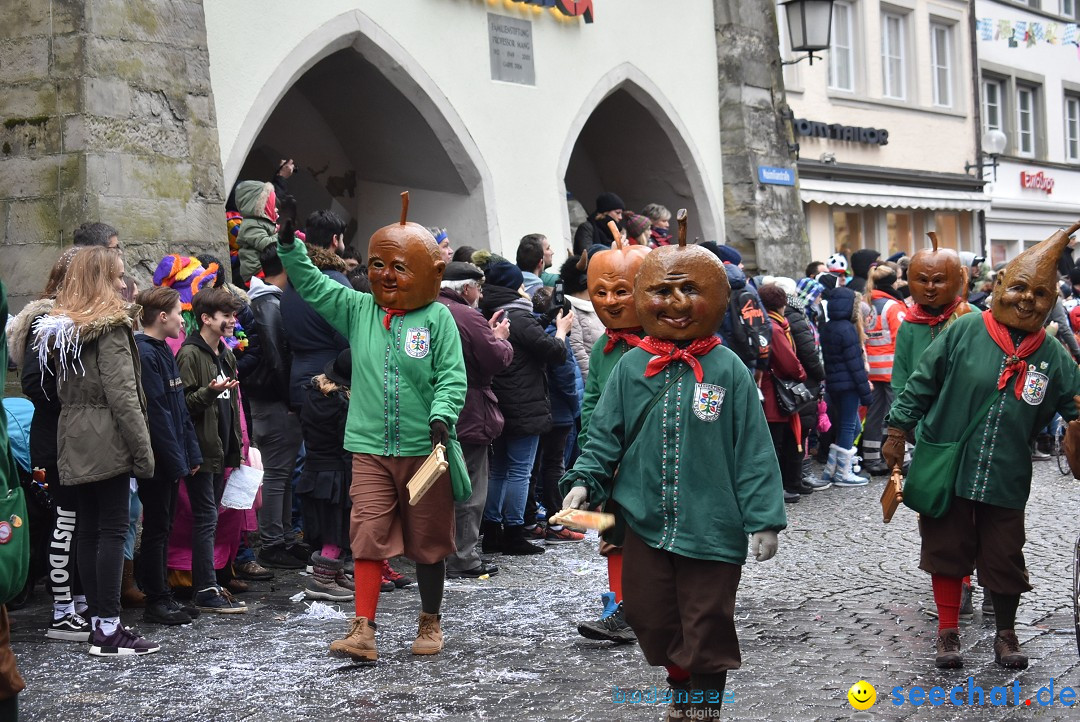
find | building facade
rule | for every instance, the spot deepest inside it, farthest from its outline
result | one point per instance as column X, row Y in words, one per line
column 491, row 112
column 885, row 125
column 1029, row 85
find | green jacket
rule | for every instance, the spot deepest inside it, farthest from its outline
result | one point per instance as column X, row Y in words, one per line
column 256, row 232
column 600, row 367
column 701, row 474
column 402, row 379
column 198, row 367
column 911, row 340
column 952, row 381
column 102, row 431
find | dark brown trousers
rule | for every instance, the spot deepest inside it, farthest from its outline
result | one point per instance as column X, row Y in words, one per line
column 383, row 525
column 974, row 535
column 682, row 609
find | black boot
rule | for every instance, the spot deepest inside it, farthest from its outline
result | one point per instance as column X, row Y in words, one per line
column 515, row 544
column 492, row 533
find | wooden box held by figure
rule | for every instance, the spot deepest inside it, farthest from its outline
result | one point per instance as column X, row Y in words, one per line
column 429, row 472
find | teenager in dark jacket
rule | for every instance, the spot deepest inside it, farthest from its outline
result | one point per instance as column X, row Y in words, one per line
column 847, row 380
column 523, row 398
column 39, row 385
column 487, row 352
column 313, row 341
column 862, row 261
column 176, row 450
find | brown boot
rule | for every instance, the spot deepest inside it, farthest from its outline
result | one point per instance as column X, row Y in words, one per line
column 359, row 643
column 680, row 706
column 130, row 596
column 1007, row 650
column 948, row 649
column 429, row 637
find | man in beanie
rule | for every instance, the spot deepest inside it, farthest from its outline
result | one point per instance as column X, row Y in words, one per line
column 609, row 207
column 988, row 383
column 487, row 352
column 521, row 389
column 862, row 261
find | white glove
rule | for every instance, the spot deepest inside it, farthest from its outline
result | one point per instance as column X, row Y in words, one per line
column 763, row 545
column 576, row 499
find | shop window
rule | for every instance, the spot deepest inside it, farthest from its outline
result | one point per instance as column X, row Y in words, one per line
column 941, row 41
column 893, row 55
column 1072, row 129
column 847, row 231
column 842, row 49
column 947, row 226
column 899, row 232
column 1025, row 121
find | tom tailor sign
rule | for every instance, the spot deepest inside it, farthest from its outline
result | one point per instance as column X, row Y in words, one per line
column 836, row 131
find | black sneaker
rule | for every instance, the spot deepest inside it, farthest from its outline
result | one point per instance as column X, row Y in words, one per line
column 474, row 573
column 70, row 628
column 187, row 609
column 121, row 643
column 301, row 551
column 278, row 557
column 611, row 628
column 220, row 601
column 161, row 612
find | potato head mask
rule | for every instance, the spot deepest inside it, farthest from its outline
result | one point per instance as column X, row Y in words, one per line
column 1026, row 289
column 935, row 276
column 611, row 282
column 405, row 265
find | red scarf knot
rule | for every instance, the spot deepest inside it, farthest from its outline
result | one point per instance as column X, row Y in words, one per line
column 614, row 335
column 390, row 313
column 1014, row 356
column 918, row 314
column 665, row 352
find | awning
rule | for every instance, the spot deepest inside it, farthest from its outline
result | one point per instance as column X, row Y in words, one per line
column 878, row 195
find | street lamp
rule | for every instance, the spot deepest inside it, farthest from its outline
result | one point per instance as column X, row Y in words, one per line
column 809, row 26
column 993, row 145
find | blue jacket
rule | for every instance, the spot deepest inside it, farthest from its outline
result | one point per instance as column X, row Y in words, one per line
column 565, row 387
column 172, row 435
column 845, row 369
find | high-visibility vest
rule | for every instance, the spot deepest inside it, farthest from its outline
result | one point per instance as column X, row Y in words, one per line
column 881, row 336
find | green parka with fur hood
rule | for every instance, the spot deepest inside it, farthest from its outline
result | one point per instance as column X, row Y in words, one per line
column 103, row 431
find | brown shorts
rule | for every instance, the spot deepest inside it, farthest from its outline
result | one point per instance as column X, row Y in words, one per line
column 974, row 535
column 682, row 609
column 383, row 525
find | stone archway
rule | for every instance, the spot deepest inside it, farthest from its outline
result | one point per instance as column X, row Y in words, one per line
column 628, row 139
column 364, row 121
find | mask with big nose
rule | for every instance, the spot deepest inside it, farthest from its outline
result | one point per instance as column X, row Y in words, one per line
column 1026, row 289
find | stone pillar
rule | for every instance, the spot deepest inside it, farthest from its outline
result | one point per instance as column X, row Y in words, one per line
column 765, row 222
column 106, row 114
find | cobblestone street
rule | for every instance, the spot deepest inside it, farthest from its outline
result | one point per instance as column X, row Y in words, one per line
column 842, row 601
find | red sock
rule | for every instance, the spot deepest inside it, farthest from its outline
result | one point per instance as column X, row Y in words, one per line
column 676, row 673
column 967, row 580
column 947, row 599
column 614, row 573
column 367, row 576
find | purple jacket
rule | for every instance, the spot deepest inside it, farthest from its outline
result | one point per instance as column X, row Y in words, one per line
column 480, row 421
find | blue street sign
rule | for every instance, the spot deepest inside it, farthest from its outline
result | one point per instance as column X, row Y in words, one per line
column 776, row 176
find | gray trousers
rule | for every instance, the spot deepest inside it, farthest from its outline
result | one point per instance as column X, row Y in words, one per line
column 276, row 433
column 467, row 514
column 874, row 429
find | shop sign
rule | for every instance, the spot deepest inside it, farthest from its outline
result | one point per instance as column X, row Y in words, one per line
column 570, row 8
column 1037, row 181
column 776, row 176
column 836, row 131
column 510, row 43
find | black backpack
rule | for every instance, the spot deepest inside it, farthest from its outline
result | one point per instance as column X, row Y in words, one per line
column 751, row 331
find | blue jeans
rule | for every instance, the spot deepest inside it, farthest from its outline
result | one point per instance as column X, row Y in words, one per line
column 847, row 409
column 508, row 480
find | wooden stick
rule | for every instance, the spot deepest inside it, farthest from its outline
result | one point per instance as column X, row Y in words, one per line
column 680, row 218
column 404, row 206
column 583, row 519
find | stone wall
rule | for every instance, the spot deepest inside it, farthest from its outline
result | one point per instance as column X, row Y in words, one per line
column 765, row 222
column 106, row 113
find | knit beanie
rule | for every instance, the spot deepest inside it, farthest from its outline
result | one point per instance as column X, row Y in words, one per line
column 506, row 274
column 609, row 202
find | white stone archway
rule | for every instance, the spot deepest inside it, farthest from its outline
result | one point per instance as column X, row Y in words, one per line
column 462, row 199
column 629, row 81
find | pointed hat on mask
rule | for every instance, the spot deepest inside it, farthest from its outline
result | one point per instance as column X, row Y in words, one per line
column 1040, row 261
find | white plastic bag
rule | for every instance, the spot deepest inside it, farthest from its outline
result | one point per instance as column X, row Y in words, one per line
column 241, row 488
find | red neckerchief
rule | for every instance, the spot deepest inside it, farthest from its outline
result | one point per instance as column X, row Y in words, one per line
column 918, row 313
column 664, row 352
column 1014, row 362
column 614, row 335
column 390, row 313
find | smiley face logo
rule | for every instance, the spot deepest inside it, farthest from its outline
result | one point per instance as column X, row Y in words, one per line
column 862, row 695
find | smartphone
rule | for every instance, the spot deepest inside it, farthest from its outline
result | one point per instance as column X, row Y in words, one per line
column 558, row 298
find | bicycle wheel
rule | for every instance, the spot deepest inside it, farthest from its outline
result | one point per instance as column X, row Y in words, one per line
column 1076, row 592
